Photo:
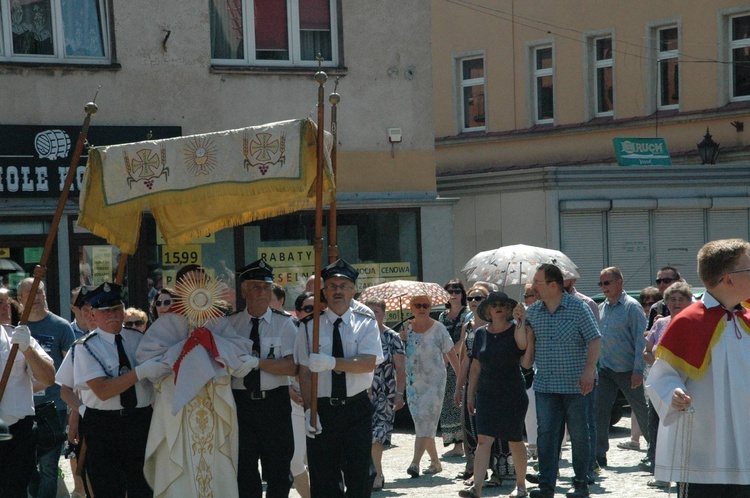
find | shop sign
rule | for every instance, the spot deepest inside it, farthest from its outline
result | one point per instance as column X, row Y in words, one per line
column 101, row 264
column 287, row 256
column 642, row 152
column 188, row 254
column 4, row 252
column 34, row 160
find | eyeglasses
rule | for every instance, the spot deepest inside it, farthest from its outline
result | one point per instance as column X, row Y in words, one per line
column 474, row 298
column 738, row 271
column 455, row 291
column 526, row 296
column 649, row 303
column 667, row 280
column 605, row 283
column 343, row 287
column 136, row 323
column 165, row 302
column 425, row 306
column 307, row 309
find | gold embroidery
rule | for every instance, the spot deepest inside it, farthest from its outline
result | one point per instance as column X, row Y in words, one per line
column 200, row 423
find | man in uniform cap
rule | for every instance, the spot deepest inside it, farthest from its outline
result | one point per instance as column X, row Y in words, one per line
column 340, row 441
column 116, row 398
column 264, row 411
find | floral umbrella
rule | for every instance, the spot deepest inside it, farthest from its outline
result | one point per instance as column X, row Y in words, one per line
column 397, row 294
column 514, row 265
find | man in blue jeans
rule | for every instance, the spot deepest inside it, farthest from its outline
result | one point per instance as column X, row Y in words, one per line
column 567, row 345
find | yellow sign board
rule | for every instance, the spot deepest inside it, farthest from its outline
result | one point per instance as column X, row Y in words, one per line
column 101, row 264
column 4, row 252
column 189, row 254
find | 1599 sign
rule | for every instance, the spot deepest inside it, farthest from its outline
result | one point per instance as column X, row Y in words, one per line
column 190, row 254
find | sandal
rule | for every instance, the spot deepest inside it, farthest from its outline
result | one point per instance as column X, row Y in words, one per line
column 379, row 483
column 413, row 470
column 465, row 474
column 468, row 493
column 518, row 493
column 493, row 482
column 629, row 445
column 434, row 468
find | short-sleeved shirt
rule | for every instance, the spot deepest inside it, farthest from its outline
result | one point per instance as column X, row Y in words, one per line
column 55, row 335
column 657, row 330
column 562, row 340
column 622, row 326
column 18, row 399
column 277, row 335
column 359, row 334
column 96, row 356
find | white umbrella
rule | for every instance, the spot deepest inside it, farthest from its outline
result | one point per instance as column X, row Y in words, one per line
column 516, row 264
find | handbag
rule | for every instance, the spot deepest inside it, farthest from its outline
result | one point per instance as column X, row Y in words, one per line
column 528, row 376
column 48, row 430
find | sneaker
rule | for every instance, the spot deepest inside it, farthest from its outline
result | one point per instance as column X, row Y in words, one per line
column 579, row 490
column 629, row 445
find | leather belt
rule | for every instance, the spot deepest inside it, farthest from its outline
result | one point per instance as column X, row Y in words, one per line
column 342, row 401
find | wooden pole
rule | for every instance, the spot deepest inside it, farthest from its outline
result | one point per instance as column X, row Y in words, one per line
column 333, row 248
column 320, row 78
column 41, row 269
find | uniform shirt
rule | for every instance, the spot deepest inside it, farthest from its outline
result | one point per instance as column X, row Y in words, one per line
column 55, row 335
column 622, row 326
column 96, row 356
column 18, row 399
column 562, row 341
column 359, row 335
column 277, row 334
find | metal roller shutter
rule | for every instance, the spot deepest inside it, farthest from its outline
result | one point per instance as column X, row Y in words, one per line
column 630, row 248
column 678, row 235
column 582, row 235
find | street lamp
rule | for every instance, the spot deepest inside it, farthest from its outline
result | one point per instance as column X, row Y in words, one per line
column 708, row 149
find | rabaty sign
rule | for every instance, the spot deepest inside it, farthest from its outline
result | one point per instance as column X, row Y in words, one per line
column 34, row 160
column 642, row 152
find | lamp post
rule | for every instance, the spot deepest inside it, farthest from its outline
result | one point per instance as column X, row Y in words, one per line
column 708, row 149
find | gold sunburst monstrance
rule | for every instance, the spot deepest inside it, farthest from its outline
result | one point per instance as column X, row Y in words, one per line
column 199, row 298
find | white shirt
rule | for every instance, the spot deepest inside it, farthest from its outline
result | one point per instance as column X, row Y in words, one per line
column 105, row 363
column 18, row 399
column 718, row 452
column 277, row 334
column 359, row 335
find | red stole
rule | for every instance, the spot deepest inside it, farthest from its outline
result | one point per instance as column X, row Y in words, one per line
column 690, row 336
column 200, row 336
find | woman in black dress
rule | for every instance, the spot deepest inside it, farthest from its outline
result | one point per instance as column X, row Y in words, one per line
column 497, row 391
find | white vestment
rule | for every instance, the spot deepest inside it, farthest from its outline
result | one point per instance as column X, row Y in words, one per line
column 193, row 443
column 712, row 448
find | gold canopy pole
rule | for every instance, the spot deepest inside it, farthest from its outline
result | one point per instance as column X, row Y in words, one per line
column 333, row 248
column 41, row 269
column 320, row 78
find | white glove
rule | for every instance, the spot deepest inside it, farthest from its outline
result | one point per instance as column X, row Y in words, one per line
column 153, row 369
column 320, row 362
column 249, row 363
column 309, row 429
column 22, row 337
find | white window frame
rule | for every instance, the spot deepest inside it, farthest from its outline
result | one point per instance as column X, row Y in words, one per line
column 602, row 64
column 58, row 39
column 731, row 46
column 471, row 82
column 292, row 9
column 655, row 61
column 540, row 73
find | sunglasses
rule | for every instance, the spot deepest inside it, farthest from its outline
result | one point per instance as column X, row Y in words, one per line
column 307, row 309
column 454, row 291
column 605, row 283
column 165, row 302
column 474, row 298
column 425, row 306
column 665, row 280
column 136, row 323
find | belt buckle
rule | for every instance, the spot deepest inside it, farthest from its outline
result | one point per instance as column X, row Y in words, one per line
column 123, row 412
column 255, row 396
column 337, row 401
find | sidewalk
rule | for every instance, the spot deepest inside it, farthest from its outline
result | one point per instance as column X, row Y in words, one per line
column 622, row 479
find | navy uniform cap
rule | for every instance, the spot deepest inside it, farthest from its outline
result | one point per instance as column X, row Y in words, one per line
column 257, row 270
column 82, row 296
column 107, row 295
column 340, row 268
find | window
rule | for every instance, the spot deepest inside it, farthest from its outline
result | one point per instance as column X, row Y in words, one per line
column 544, row 108
column 472, row 94
column 604, row 90
column 668, row 69
column 274, row 32
column 71, row 31
column 740, row 53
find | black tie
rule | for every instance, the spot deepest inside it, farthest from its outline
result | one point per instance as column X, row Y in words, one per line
column 128, row 398
column 252, row 380
column 338, row 379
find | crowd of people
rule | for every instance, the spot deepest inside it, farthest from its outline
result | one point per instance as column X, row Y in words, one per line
column 198, row 401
